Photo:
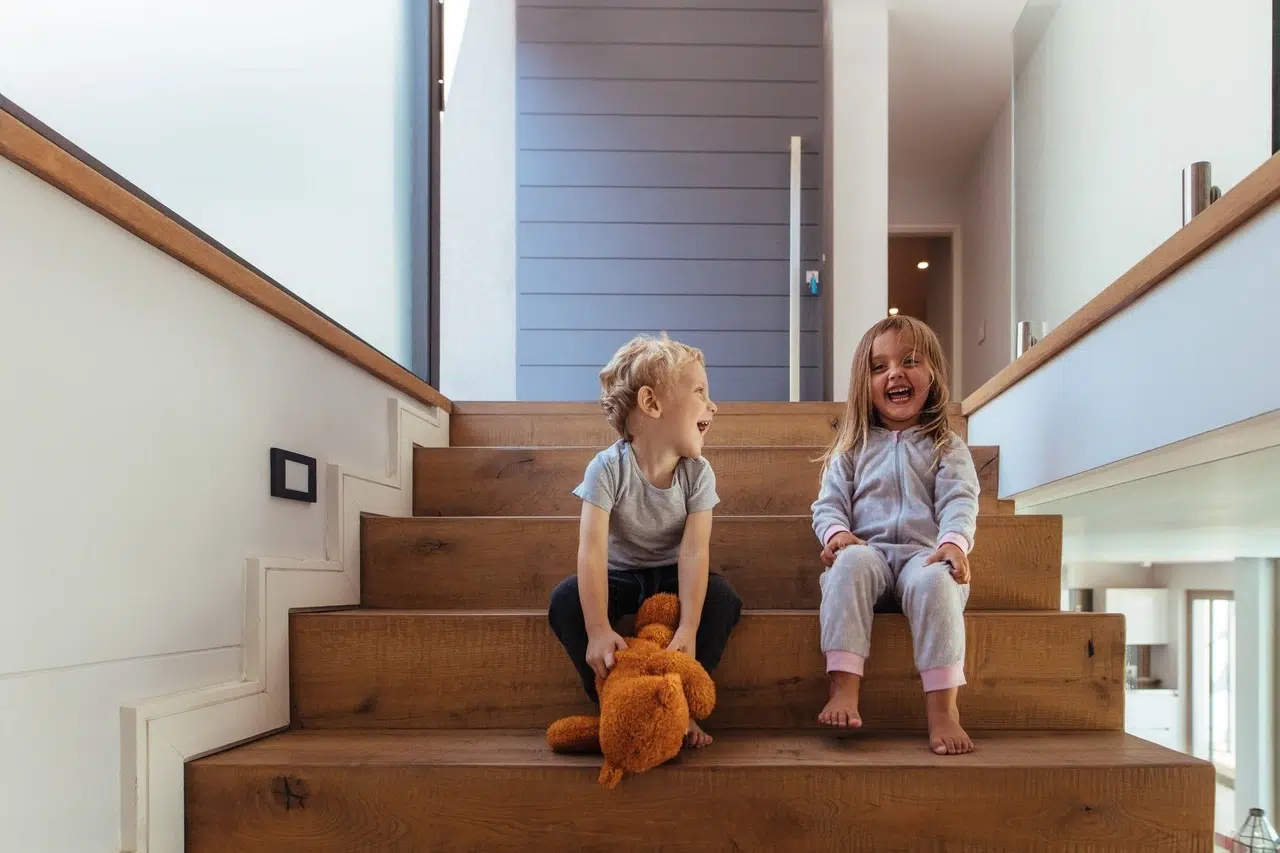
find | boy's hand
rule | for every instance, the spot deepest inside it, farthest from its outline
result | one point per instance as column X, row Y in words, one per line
column 836, row 543
column 600, row 649
column 952, row 554
column 685, row 640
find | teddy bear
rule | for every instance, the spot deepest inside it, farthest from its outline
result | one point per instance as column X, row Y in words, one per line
column 645, row 701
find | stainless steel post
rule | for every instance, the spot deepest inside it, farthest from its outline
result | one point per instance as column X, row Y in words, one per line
column 1025, row 339
column 1198, row 191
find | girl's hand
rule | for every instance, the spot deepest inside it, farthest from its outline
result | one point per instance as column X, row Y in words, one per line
column 600, row 649
column 952, row 554
column 836, row 543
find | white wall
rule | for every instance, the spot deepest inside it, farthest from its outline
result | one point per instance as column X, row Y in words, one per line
column 1155, row 355
column 1097, row 575
column 858, row 116
column 278, row 127
column 455, row 24
column 987, row 204
column 141, row 401
column 1115, row 101
column 917, row 201
column 478, row 211
column 1255, row 587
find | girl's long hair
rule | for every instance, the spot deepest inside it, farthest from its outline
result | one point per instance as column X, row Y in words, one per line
column 860, row 412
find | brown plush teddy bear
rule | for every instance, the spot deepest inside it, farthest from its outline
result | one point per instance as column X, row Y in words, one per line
column 645, row 702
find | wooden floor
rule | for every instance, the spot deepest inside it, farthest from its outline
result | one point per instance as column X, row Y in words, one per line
column 1026, row 792
column 418, row 717
column 815, row 748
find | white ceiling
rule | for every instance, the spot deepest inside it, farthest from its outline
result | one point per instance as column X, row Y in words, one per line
column 950, row 64
column 1216, row 511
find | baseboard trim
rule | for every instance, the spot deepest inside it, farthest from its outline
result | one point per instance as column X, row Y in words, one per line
column 159, row 735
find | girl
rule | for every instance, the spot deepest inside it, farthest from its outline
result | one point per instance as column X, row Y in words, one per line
column 896, row 515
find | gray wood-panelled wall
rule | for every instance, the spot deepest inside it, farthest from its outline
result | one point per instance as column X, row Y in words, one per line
column 653, row 176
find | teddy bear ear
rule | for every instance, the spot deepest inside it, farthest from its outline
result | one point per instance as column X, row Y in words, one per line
column 659, row 634
column 660, row 609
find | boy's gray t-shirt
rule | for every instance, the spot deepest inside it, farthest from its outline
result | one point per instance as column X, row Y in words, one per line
column 646, row 523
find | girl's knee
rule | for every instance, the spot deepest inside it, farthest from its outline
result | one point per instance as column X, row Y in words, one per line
column 858, row 571
column 857, row 562
column 933, row 586
column 858, row 555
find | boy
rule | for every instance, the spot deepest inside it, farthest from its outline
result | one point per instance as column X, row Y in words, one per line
column 646, row 516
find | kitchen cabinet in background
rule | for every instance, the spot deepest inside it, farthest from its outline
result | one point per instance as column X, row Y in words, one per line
column 1146, row 613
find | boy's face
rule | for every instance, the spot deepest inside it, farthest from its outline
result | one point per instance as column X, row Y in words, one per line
column 685, row 412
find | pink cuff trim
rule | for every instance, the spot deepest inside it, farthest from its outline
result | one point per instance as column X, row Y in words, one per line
column 833, row 530
column 957, row 540
column 941, row 678
column 838, row 661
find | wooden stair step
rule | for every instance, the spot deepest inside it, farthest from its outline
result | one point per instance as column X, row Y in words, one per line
column 575, row 424
column 772, row 561
column 781, row 792
column 504, row 669
column 452, row 481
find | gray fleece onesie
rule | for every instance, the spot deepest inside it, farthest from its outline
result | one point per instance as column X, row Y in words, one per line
column 892, row 497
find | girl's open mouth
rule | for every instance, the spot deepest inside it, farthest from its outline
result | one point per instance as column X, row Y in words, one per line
column 703, row 426
column 900, row 394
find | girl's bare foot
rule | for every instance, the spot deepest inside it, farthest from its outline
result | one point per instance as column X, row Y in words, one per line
column 946, row 736
column 841, row 709
column 695, row 737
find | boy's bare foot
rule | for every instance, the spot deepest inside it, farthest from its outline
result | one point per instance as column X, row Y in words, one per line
column 946, row 736
column 841, row 709
column 696, row 738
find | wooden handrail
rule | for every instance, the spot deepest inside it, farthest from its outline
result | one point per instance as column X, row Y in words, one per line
column 1236, row 207
column 51, row 159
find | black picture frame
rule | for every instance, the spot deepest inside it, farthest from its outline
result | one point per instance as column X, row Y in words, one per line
column 279, row 458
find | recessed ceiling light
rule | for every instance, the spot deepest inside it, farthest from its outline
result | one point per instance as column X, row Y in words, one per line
column 923, row 265
column 893, row 311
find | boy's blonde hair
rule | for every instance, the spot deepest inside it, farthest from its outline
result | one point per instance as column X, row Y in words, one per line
column 860, row 410
column 643, row 360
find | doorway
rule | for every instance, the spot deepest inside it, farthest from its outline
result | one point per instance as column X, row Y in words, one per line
column 922, row 285
column 1211, row 694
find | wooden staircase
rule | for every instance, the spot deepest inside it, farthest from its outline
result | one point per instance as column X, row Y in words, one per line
column 418, row 718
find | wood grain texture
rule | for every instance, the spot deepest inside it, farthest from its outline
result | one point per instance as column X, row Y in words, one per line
column 1083, row 792
column 496, row 669
column 772, row 561
column 583, row 424
column 61, row 169
column 1240, row 204
column 540, row 480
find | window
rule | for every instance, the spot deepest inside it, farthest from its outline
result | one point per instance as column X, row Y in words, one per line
column 304, row 142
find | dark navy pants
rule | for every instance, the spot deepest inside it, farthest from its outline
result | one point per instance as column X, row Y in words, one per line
column 627, row 591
